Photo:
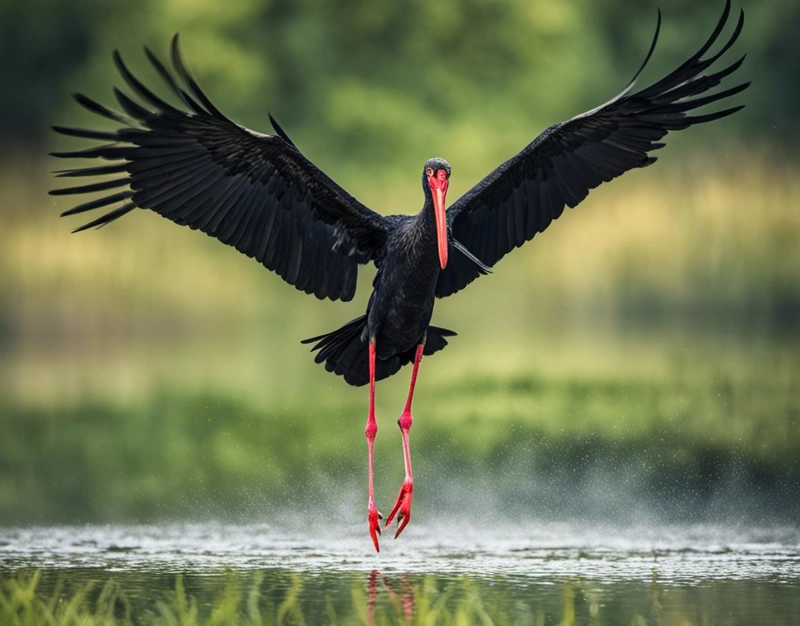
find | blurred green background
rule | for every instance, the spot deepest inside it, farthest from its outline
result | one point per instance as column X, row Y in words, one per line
column 638, row 359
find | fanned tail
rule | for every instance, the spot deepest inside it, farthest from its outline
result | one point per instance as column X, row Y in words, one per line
column 345, row 352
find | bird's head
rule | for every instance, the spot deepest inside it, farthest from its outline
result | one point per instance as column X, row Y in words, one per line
column 436, row 178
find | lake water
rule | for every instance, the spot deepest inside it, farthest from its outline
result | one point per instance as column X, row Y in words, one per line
column 489, row 573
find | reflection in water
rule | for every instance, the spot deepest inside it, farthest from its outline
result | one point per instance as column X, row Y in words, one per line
column 403, row 598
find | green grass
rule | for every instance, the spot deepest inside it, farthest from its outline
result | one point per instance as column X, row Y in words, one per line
column 237, row 601
column 280, row 597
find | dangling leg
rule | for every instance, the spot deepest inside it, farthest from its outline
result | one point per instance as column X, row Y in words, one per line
column 403, row 504
column 373, row 516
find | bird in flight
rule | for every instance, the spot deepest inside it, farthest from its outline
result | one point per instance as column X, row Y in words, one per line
column 260, row 194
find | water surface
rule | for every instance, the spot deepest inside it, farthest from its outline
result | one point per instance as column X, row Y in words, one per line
column 537, row 573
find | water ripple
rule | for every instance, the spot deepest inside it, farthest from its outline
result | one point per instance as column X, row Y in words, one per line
column 538, row 552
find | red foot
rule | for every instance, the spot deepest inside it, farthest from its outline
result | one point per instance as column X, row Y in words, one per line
column 374, row 517
column 402, row 507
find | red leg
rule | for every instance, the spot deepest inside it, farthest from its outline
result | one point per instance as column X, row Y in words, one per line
column 403, row 505
column 373, row 516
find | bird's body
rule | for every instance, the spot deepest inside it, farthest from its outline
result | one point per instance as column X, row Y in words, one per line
column 400, row 309
column 261, row 195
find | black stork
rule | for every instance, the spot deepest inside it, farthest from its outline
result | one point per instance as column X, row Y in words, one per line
column 260, row 194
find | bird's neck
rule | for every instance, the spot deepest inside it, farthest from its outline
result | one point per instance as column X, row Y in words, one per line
column 425, row 221
column 417, row 235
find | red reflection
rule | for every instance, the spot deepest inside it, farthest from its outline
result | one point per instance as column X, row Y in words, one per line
column 401, row 595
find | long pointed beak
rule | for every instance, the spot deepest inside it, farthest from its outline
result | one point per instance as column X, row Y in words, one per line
column 439, row 192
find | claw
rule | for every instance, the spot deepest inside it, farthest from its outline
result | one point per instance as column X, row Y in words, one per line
column 374, row 517
column 402, row 507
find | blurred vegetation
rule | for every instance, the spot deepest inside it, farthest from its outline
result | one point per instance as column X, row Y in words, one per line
column 390, row 83
column 285, row 597
column 650, row 337
column 685, row 451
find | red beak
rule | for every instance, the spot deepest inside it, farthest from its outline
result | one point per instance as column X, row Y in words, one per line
column 439, row 184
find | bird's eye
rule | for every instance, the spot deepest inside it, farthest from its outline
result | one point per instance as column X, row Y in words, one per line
column 429, row 172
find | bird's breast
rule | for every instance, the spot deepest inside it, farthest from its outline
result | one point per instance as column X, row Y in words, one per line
column 402, row 302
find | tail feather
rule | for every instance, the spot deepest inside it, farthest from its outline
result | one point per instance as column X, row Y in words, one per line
column 345, row 352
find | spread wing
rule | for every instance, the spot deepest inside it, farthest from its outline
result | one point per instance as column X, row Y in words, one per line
column 255, row 192
column 525, row 194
